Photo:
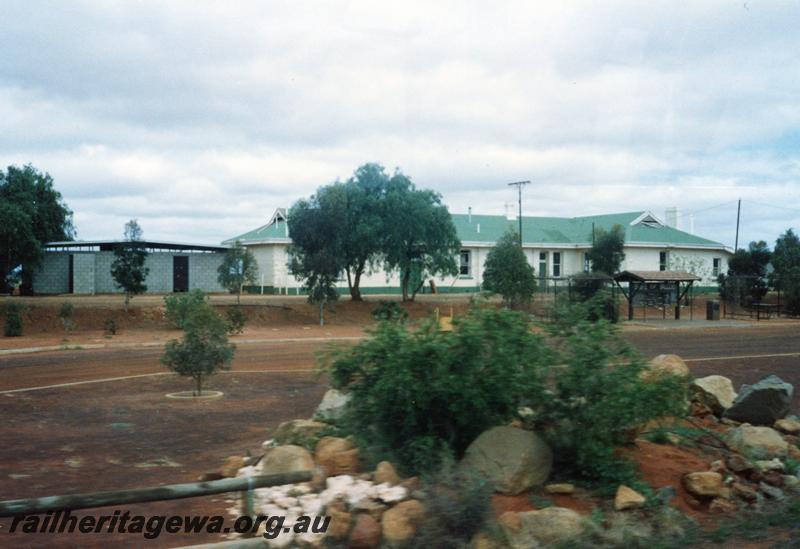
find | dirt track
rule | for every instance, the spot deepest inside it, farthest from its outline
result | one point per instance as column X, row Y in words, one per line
column 124, row 433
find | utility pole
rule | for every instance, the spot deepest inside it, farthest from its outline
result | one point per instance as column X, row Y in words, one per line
column 518, row 185
column 738, row 212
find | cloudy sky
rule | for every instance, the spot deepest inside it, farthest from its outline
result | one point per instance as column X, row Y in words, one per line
column 201, row 118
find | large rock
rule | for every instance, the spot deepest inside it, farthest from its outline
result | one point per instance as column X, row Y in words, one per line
column 757, row 442
column 547, row 527
column 332, row 406
column 628, row 498
column 716, row 392
column 297, row 430
column 789, row 425
column 401, row 521
column 706, row 484
column 762, row 403
column 386, row 473
column 366, row 533
column 514, row 460
column 337, row 456
column 286, row 459
column 665, row 365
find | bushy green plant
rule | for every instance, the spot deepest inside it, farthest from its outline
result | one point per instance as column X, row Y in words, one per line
column 389, row 310
column 236, row 320
column 422, row 396
column 204, row 348
column 457, row 506
column 599, row 395
column 13, row 327
column 110, row 326
column 508, row 273
column 180, row 306
column 67, row 315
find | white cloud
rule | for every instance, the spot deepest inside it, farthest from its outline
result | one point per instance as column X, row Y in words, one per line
column 200, row 119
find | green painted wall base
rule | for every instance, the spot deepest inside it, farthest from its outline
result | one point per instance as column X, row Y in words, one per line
column 374, row 290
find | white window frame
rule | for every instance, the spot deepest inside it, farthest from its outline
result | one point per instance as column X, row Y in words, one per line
column 716, row 266
column 556, row 264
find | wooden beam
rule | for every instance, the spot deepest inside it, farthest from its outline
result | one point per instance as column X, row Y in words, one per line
column 32, row 506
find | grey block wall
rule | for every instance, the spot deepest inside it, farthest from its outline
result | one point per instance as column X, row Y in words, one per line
column 83, row 273
column 53, row 274
column 92, row 272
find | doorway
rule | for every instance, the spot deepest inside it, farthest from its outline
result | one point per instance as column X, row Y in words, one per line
column 180, row 273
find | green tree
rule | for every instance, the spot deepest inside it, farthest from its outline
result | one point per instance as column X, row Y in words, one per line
column 33, row 213
column 316, row 259
column 785, row 258
column 606, row 254
column 238, row 267
column 362, row 225
column 746, row 277
column 128, row 267
column 420, row 239
column 507, row 272
column 204, row 348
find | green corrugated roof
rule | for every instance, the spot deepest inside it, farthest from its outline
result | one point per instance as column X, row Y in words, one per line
column 572, row 230
column 536, row 230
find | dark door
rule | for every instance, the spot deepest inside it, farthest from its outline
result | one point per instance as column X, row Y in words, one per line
column 71, row 275
column 180, row 273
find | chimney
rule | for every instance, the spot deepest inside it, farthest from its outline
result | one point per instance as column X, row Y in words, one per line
column 671, row 217
column 510, row 213
column 469, row 214
column 479, row 227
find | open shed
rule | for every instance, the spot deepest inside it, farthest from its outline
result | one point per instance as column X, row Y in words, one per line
column 680, row 281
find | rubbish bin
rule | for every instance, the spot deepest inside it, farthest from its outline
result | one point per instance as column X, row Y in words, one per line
column 712, row 309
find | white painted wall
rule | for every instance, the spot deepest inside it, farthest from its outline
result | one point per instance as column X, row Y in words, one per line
column 272, row 260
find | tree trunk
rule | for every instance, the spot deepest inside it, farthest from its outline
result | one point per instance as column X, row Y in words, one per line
column 355, row 290
column 404, row 283
column 127, row 300
column 239, row 295
column 199, row 383
column 322, row 313
column 417, row 289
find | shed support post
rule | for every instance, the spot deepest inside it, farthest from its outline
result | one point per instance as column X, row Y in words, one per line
column 677, row 301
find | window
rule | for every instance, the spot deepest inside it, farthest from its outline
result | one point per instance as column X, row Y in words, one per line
column 662, row 261
column 587, row 265
column 715, row 269
column 542, row 264
column 556, row 263
column 464, row 263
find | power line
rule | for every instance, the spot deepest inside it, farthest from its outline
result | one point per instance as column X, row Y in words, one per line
column 773, row 206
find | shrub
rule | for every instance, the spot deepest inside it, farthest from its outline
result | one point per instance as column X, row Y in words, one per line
column 508, row 273
column 599, row 396
column 236, row 320
column 457, row 506
column 389, row 310
column 13, row 327
column 67, row 315
column 419, row 397
column 204, row 348
column 180, row 306
column 110, row 326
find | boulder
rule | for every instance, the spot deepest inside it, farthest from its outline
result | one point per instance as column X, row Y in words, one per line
column 400, row 522
column 366, row 533
column 762, row 403
column 332, row 406
column 757, row 442
column 560, row 488
column 738, row 463
column 715, row 392
column 628, row 498
column 297, row 430
column 386, row 473
column 789, row 425
column 337, row 456
column 514, row 460
column 340, row 521
column 722, row 506
column 547, row 527
column 286, row 459
column 744, row 491
column 231, row 466
column 665, row 365
column 703, row 484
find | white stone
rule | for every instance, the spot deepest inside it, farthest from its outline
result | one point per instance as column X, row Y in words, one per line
column 392, row 494
column 770, row 465
column 286, row 502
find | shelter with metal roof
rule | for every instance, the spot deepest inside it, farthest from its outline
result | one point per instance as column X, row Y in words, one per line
column 658, row 281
